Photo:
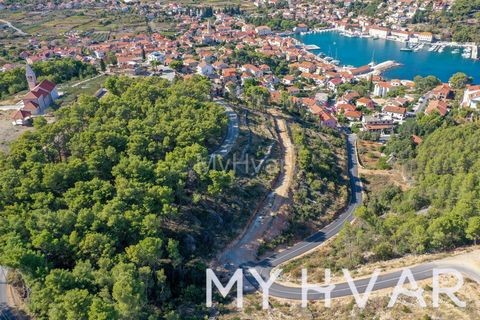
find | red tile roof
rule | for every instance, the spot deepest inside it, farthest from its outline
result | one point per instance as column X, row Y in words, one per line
column 395, row 109
column 21, row 115
column 46, row 85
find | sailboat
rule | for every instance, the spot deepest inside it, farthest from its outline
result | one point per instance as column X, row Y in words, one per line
column 336, row 61
column 372, row 62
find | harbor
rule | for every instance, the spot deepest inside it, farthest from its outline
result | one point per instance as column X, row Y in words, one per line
column 441, row 59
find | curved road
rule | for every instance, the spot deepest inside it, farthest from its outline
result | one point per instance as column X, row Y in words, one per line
column 232, row 132
column 10, row 25
column 387, row 280
column 265, row 266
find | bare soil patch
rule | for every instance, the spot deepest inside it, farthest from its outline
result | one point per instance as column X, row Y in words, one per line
column 9, row 132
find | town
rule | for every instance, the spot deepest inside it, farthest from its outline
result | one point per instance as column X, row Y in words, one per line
column 235, row 54
column 148, row 146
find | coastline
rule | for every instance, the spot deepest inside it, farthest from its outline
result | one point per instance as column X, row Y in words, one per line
column 421, row 58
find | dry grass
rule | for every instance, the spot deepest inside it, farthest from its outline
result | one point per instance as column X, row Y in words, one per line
column 375, row 181
column 376, row 308
column 369, row 153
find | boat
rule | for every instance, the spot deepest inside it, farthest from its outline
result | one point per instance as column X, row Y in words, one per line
column 406, row 49
column 335, row 62
column 375, row 38
column 456, row 51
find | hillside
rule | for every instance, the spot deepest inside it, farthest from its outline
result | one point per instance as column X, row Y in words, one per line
column 104, row 211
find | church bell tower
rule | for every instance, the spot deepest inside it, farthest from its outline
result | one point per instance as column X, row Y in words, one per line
column 31, row 77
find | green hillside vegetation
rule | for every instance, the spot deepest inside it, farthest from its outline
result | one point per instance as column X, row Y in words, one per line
column 441, row 212
column 401, row 145
column 98, row 209
column 321, row 180
column 57, row 71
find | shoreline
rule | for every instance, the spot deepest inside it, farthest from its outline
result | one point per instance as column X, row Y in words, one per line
column 426, row 49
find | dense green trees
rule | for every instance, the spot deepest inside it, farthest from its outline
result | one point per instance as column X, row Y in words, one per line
column 257, row 97
column 93, row 207
column 425, row 84
column 402, row 146
column 249, row 55
column 275, row 23
column 459, row 80
column 58, row 71
column 321, row 183
column 440, row 212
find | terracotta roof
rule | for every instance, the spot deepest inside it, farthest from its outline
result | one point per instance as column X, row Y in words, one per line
column 325, row 116
column 364, row 100
column 437, row 105
column 395, row 109
column 345, row 107
column 21, row 115
column 315, row 109
column 46, row 85
column 416, row 139
column 33, row 95
column 353, row 114
column 30, row 106
column 378, row 126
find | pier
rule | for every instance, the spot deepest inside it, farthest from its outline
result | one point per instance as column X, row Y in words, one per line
column 381, row 67
column 311, row 47
column 421, row 62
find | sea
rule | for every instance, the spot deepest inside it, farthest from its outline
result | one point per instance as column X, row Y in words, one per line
column 356, row 51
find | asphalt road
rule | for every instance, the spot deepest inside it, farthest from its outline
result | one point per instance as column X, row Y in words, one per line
column 5, row 311
column 265, row 266
column 387, row 280
column 232, row 133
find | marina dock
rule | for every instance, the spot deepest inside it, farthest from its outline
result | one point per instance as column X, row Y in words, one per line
column 311, row 47
column 383, row 66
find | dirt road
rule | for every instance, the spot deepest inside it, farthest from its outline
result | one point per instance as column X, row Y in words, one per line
column 9, row 24
column 269, row 220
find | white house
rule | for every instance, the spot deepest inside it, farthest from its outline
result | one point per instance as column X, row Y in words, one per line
column 401, row 35
column 99, row 54
column 263, row 31
column 307, row 66
column 380, row 32
column 156, row 56
column 204, row 69
column 21, row 117
column 395, row 112
column 382, row 88
column 300, row 28
column 471, row 97
column 424, row 36
column 334, row 83
column 254, row 70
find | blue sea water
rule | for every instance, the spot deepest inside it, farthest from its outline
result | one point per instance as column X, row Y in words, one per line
column 359, row 51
